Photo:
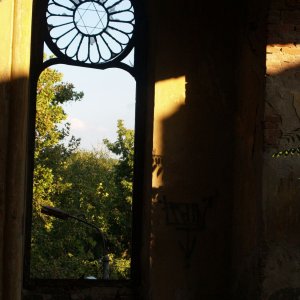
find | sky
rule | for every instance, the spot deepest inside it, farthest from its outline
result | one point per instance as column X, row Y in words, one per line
column 109, row 95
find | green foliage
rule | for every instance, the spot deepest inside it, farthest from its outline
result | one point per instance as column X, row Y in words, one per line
column 124, row 149
column 91, row 184
column 287, row 152
column 51, row 93
column 49, row 150
column 120, row 216
column 50, row 154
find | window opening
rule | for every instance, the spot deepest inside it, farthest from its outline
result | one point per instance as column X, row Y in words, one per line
column 96, row 34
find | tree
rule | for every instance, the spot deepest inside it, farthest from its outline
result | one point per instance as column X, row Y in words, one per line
column 50, row 153
column 92, row 184
column 121, row 216
column 101, row 192
column 93, row 195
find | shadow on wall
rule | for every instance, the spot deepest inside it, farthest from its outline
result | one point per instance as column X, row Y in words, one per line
column 192, row 149
column 192, row 183
column 13, row 140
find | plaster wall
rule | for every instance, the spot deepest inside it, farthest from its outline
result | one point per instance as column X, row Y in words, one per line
column 15, row 28
column 193, row 148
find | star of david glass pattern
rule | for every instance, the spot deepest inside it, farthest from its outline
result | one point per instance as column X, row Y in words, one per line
column 90, row 32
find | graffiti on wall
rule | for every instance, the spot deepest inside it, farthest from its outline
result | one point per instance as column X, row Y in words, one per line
column 187, row 218
column 186, row 215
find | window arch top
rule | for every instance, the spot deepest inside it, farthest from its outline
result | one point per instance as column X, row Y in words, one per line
column 91, row 32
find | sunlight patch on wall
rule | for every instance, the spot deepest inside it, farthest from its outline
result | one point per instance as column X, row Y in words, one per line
column 169, row 97
column 282, row 57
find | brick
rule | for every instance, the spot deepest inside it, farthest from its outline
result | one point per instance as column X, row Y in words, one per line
column 291, row 17
column 290, row 45
column 272, row 136
column 283, row 29
column 271, row 141
column 278, row 4
column 283, row 33
column 291, row 51
column 274, row 16
column 276, row 58
column 273, row 69
column 292, row 3
column 273, row 48
column 273, row 118
column 297, row 75
column 270, row 125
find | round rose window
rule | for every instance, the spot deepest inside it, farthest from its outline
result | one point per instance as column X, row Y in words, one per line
column 93, row 31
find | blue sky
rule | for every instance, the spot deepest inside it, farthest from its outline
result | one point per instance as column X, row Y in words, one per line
column 109, row 95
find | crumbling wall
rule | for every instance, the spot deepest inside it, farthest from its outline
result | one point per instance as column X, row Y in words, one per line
column 281, row 184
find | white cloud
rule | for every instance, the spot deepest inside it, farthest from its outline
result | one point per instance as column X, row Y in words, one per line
column 77, row 124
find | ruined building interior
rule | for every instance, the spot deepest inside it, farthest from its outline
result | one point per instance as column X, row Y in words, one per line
column 221, row 96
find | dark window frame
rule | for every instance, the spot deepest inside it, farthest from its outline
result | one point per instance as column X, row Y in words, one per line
column 143, row 146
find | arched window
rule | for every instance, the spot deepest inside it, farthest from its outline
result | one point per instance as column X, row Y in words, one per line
column 101, row 35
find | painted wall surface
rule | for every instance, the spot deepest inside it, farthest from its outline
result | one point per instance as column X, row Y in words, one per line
column 207, row 147
column 281, row 175
column 15, row 28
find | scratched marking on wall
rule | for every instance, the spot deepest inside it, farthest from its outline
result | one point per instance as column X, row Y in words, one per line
column 188, row 218
column 186, row 215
